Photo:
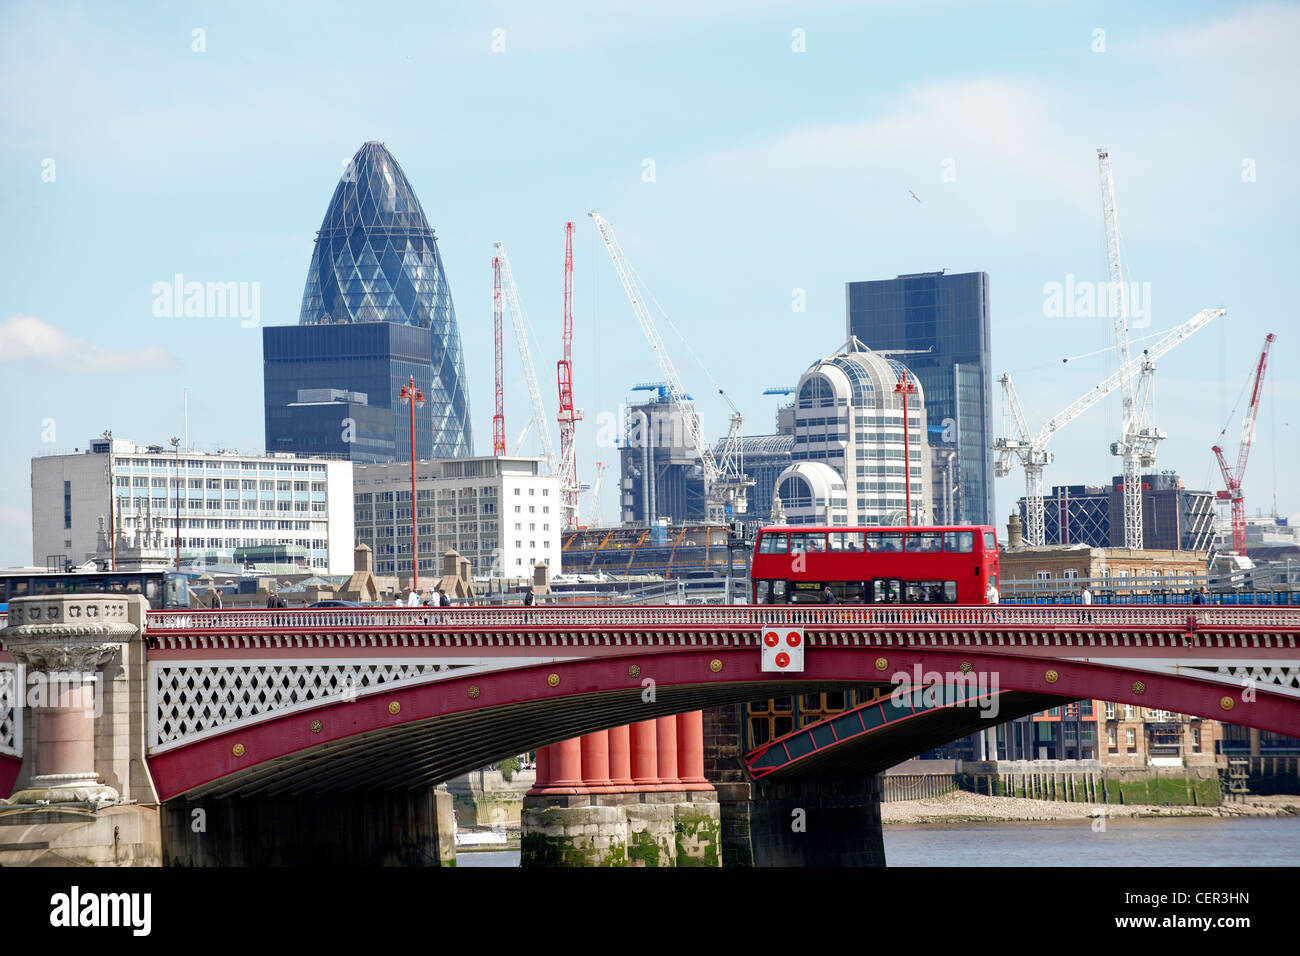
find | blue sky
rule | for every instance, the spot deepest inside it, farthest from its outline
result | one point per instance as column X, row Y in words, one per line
column 774, row 170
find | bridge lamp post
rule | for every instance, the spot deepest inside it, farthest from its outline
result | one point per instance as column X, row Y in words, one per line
column 176, row 446
column 412, row 396
column 905, row 386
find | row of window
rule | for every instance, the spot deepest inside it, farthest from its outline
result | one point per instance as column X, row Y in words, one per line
column 878, row 591
column 212, row 465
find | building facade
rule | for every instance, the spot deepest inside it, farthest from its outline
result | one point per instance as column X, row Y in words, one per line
column 500, row 514
column 943, row 322
column 234, row 509
column 1173, row 517
column 848, row 425
column 376, row 312
column 660, row 471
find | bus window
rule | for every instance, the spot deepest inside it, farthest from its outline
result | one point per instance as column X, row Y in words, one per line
column 923, row 541
column 886, row 591
column 962, row 542
column 849, row 592
column 816, row 542
column 950, row 592
column 846, row 540
column 774, row 544
column 763, row 590
column 778, row 592
column 890, row 540
column 807, row 592
column 990, row 541
column 915, row 592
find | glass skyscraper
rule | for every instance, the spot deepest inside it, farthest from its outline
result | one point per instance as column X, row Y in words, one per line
column 944, row 320
column 376, row 310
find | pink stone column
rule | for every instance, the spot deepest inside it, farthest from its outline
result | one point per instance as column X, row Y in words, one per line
column 690, row 751
column 666, row 740
column 645, row 756
column 595, row 762
column 620, row 758
column 65, row 727
column 566, row 767
column 543, row 779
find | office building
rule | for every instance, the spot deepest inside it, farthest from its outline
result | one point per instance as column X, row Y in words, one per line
column 500, row 514
column 376, row 312
column 848, row 461
column 234, row 510
column 938, row 326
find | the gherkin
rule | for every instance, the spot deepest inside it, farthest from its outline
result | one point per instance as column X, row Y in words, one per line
column 376, row 260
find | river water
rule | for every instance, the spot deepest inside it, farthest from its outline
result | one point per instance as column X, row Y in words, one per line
column 1183, row 841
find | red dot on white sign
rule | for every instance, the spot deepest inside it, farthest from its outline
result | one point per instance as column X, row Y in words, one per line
column 783, row 659
column 793, row 638
column 770, row 639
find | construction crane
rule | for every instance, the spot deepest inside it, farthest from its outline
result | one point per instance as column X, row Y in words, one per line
column 1031, row 449
column 517, row 319
column 1232, row 478
column 499, row 418
column 568, row 416
column 724, row 478
column 1138, row 437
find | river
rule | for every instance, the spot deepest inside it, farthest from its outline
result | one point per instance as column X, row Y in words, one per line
column 1181, row 841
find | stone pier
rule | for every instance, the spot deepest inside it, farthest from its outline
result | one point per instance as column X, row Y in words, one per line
column 629, row 796
column 817, row 822
column 83, row 794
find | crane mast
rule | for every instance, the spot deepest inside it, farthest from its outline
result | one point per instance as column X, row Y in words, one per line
column 568, row 416
column 499, row 418
column 1137, row 441
column 724, row 483
column 1232, row 478
column 515, row 308
column 1030, row 449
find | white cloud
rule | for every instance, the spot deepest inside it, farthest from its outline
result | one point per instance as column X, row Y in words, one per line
column 27, row 339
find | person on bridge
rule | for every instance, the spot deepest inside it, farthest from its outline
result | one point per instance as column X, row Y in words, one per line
column 1085, row 596
column 1200, row 596
column 215, row 603
column 828, row 595
column 444, row 599
column 529, row 598
column 413, row 599
column 991, row 593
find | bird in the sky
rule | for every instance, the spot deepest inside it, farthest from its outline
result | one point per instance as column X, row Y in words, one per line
column 914, row 195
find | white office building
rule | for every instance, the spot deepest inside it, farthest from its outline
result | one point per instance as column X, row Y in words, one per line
column 849, row 465
column 499, row 513
column 234, row 510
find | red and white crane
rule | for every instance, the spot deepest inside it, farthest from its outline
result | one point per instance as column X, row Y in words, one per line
column 1232, row 477
column 498, row 419
column 569, row 416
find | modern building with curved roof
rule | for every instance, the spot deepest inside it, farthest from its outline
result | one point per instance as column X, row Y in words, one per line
column 376, row 312
column 848, row 416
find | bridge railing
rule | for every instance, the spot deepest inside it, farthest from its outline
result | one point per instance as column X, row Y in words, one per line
column 1051, row 616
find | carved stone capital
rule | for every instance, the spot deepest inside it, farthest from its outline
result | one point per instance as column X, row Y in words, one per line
column 67, row 632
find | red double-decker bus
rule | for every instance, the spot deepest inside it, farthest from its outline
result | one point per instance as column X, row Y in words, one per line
column 952, row 565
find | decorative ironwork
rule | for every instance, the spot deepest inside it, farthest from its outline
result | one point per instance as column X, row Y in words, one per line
column 316, row 726
column 634, row 670
column 473, row 692
column 1052, row 677
column 238, row 750
column 553, row 680
column 967, row 667
column 394, row 708
column 1139, row 688
column 715, row 665
column 1227, row 703
column 881, row 664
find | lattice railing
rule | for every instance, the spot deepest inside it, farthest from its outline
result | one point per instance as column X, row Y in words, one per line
column 11, row 711
column 191, row 700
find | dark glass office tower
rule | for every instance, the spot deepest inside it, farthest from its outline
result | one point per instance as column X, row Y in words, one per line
column 948, row 315
column 376, row 309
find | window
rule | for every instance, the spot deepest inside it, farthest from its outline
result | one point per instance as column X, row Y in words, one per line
column 1130, row 739
column 990, row 541
column 1110, row 739
column 923, row 541
column 67, row 504
column 516, row 492
column 1043, row 575
column 1071, row 574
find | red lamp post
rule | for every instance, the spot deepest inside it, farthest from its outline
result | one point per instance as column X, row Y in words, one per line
column 412, row 396
column 905, row 386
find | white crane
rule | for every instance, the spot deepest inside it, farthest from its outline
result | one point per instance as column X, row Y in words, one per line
column 1138, row 437
column 724, row 480
column 593, row 516
column 1031, row 450
column 516, row 311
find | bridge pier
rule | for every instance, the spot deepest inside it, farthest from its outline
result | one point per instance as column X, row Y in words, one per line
column 83, row 794
column 353, row 828
column 636, row 797
column 816, row 822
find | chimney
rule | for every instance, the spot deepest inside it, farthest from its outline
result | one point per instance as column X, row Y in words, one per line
column 1015, row 531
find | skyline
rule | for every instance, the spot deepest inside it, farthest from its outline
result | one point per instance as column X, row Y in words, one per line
column 779, row 175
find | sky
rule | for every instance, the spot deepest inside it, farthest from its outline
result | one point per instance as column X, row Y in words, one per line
column 752, row 156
